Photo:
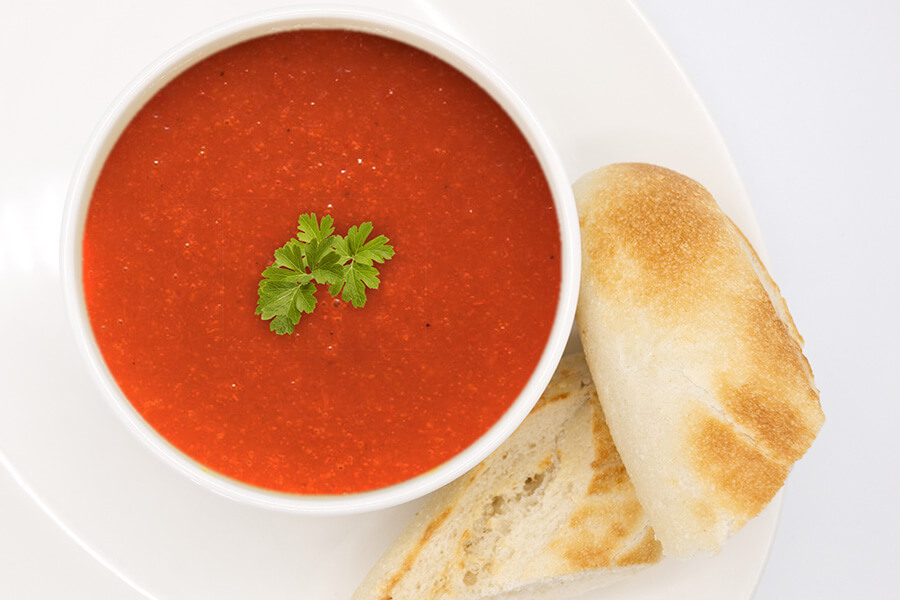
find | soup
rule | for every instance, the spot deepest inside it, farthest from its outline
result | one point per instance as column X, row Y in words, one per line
column 209, row 179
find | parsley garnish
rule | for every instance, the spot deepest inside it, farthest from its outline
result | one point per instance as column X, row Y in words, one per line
column 318, row 256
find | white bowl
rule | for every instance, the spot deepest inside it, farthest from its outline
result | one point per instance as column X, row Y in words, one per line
column 229, row 34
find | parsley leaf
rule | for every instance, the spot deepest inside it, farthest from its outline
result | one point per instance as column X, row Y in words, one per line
column 358, row 277
column 309, row 228
column 318, row 256
column 357, row 256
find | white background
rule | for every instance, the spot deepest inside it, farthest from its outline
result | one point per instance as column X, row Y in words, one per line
column 807, row 97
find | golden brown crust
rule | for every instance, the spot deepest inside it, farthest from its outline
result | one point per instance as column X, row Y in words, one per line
column 410, row 558
column 601, row 530
column 647, row 550
column 774, row 292
column 743, row 476
column 679, row 316
column 659, row 231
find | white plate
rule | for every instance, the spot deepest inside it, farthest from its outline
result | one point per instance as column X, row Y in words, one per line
column 606, row 89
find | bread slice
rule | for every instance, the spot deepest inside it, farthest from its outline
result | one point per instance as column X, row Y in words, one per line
column 551, row 513
column 699, row 366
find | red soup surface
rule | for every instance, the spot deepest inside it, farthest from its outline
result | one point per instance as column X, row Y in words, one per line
column 209, row 179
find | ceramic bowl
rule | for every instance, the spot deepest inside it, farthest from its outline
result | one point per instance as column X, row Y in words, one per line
column 190, row 52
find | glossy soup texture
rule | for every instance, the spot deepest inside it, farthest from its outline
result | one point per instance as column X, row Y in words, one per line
column 209, row 179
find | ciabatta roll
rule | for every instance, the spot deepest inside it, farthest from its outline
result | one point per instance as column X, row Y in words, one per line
column 698, row 363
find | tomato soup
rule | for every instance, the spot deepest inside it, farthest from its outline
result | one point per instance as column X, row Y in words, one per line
column 209, row 178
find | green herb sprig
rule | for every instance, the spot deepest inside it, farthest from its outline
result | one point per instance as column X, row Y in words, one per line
column 318, row 256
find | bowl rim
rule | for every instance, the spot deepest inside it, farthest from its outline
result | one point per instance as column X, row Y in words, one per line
column 165, row 68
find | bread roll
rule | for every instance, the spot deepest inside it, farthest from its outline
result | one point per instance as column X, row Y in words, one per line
column 549, row 514
column 698, row 364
